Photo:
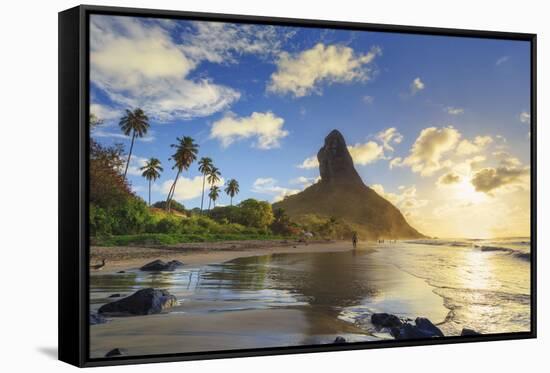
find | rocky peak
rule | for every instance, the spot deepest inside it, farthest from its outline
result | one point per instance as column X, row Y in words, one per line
column 335, row 162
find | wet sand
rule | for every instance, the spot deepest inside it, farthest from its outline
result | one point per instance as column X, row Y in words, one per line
column 186, row 331
column 131, row 257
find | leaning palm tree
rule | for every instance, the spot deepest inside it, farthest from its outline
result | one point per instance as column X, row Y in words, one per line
column 232, row 189
column 186, row 153
column 214, row 194
column 205, row 166
column 151, row 171
column 212, row 178
column 135, row 123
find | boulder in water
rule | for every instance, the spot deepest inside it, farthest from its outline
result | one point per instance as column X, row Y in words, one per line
column 340, row 340
column 422, row 328
column 159, row 265
column 142, row 302
column 468, row 332
column 385, row 320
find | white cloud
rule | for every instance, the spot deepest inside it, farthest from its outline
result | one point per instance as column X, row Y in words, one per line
column 448, row 179
column 396, row 162
column 427, row 151
column 187, row 188
column 303, row 73
column 405, row 199
column 267, row 128
column 304, row 181
column 105, row 113
column 366, row 153
column 136, row 162
column 310, row 162
column 269, row 186
column 503, row 178
column 389, row 136
column 467, row 147
column 416, row 86
column 368, row 99
column 502, row 60
column 525, row 117
column 454, row 110
column 138, row 63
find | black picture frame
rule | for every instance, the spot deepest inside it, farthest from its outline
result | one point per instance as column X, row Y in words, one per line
column 73, row 185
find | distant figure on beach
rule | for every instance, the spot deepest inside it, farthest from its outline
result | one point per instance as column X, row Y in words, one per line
column 354, row 239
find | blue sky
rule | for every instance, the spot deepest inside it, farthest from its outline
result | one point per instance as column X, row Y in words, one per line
column 436, row 125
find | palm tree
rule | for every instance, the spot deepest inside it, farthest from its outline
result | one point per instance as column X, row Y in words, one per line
column 205, row 166
column 212, row 178
column 151, row 171
column 186, row 153
column 232, row 189
column 214, row 194
column 135, row 123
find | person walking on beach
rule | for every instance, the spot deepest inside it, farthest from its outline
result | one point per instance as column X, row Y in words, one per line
column 354, row 239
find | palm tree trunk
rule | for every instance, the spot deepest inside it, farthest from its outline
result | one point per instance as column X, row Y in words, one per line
column 209, row 202
column 202, row 198
column 130, row 153
column 231, row 199
column 149, row 192
column 172, row 191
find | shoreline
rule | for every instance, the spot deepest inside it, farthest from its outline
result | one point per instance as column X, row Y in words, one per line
column 132, row 257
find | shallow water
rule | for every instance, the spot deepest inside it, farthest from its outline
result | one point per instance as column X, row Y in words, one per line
column 453, row 283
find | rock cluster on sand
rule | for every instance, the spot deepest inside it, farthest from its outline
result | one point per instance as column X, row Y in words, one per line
column 143, row 302
column 468, row 332
column 422, row 327
column 159, row 265
column 339, row 340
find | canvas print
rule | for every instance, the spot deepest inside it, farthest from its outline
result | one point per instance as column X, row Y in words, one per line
column 261, row 186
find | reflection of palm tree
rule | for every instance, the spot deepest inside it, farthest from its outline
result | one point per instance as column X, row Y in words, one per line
column 213, row 177
column 214, row 194
column 186, row 153
column 232, row 189
column 205, row 166
column 135, row 123
column 151, row 171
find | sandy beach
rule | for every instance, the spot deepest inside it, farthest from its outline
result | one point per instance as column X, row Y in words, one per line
column 127, row 257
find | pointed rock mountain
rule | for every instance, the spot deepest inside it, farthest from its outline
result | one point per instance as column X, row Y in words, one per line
column 341, row 193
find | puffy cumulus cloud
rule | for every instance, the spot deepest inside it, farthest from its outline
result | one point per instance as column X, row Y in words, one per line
column 389, row 136
column 467, row 147
column 449, row 178
column 309, row 162
column 186, row 188
column 525, row 117
column 369, row 152
column 302, row 74
column 105, row 113
column 136, row 162
column 266, row 128
column 416, row 86
column 138, row 62
column 305, row 181
column 269, row 186
column 454, row 110
column 396, row 162
column 406, row 197
column 491, row 179
column 427, row 151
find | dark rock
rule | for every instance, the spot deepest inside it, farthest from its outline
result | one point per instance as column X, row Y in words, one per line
column 340, row 340
column 159, row 265
column 468, row 332
column 385, row 320
column 426, row 325
column 335, row 162
column 96, row 319
column 121, row 272
column 143, row 302
column 115, row 295
column 116, row 352
column 422, row 329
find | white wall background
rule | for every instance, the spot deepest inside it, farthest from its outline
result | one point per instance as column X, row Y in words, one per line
column 28, row 184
